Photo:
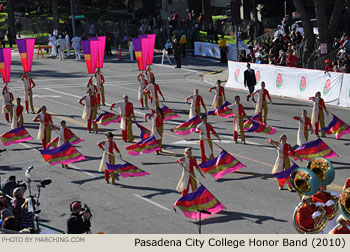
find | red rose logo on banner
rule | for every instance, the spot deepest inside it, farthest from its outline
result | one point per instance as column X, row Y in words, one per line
column 279, row 80
column 213, row 50
column 200, row 48
column 257, row 76
column 303, row 83
column 327, row 87
column 237, row 73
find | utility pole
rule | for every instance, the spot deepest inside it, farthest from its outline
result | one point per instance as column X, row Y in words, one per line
column 73, row 18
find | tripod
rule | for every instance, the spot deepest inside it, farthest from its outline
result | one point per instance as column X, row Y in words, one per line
column 200, row 219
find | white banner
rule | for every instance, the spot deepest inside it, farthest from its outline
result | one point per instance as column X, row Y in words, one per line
column 294, row 82
column 212, row 50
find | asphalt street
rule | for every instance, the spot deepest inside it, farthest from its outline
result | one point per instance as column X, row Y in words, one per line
column 145, row 204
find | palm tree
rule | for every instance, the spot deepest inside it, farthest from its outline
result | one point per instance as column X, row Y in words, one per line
column 11, row 35
column 56, row 18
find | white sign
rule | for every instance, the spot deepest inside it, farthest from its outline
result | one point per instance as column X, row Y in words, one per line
column 323, row 48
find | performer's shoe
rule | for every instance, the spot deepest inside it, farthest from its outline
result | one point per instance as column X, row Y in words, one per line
column 104, row 104
column 107, row 181
column 27, row 112
column 236, row 142
column 243, row 142
column 248, row 97
column 290, row 189
column 2, row 150
column 113, row 183
column 281, row 188
column 33, row 112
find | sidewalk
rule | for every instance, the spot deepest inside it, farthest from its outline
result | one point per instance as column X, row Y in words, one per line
column 213, row 77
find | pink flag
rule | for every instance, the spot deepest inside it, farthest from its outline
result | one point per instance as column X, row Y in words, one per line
column 145, row 45
column 5, row 64
column 26, row 51
column 90, row 49
column 152, row 37
column 101, row 50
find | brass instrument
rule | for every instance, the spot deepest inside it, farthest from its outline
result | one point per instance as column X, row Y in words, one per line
column 305, row 181
column 335, row 208
column 323, row 168
column 319, row 223
column 344, row 204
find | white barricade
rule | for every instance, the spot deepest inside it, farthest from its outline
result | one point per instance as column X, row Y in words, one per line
column 294, row 82
column 212, row 50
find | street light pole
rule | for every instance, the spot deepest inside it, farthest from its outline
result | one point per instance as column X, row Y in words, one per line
column 73, row 18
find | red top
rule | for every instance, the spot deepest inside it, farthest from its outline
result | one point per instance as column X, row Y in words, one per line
column 265, row 93
column 307, row 123
column 328, row 68
column 47, row 119
column 93, row 100
column 304, row 216
column 159, row 121
column 209, row 129
column 288, row 150
column 241, row 111
column 292, row 61
column 347, row 184
column 321, row 103
column 193, row 162
column 112, row 146
column 341, row 230
column 19, row 110
column 221, row 91
column 67, row 134
column 129, row 109
column 323, row 197
column 199, row 101
column 157, row 90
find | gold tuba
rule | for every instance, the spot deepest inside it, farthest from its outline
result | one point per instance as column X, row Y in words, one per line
column 304, row 181
column 344, row 203
column 320, row 221
column 323, row 168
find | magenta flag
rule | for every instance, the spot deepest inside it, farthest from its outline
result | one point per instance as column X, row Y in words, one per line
column 90, row 50
column 101, row 50
column 152, row 37
column 5, row 64
column 145, row 45
column 26, row 51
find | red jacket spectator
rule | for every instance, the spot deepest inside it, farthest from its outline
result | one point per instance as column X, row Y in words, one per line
column 292, row 61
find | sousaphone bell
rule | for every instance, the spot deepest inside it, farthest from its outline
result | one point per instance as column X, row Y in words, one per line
column 305, row 181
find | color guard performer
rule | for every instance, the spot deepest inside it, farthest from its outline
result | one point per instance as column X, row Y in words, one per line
column 188, row 176
column 64, row 134
column 17, row 119
column 108, row 146
column 344, row 226
column 126, row 111
column 196, row 102
column 149, row 74
column 45, row 127
column 205, row 141
column 220, row 96
column 239, row 114
column 157, row 126
column 141, row 94
column 28, row 91
column 100, row 80
column 93, row 87
column 304, row 127
column 317, row 117
column 261, row 103
column 7, row 107
column 90, row 110
column 284, row 150
column 307, row 213
column 154, row 89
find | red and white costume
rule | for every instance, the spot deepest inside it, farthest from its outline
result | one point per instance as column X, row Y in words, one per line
column 303, row 130
column 126, row 111
column 205, row 141
column 196, row 102
column 17, row 119
column 155, row 92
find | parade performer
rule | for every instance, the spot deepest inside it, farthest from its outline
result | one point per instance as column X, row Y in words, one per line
column 284, row 150
column 154, row 89
column 7, row 107
column 108, row 146
column 220, row 96
column 205, row 141
column 76, row 45
column 90, row 110
column 45, row 127
column 239, row 114
column 17, row 119
column 142, row 95
column 100, row 80
column 307, row 213
column 317, row 117
column 95, row 91
column 28, row 91
column 126, row 111
column 157, row 126
column 261, row 103
column 188, row 176
column 196, row 102
column 344, row 226
column 64, row 134
column 149, row 74
column 304, row 127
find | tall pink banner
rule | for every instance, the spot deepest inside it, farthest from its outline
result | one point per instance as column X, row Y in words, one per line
column 145, row 45
column 152, row 38
column 101, row 51
column 94, row 48
column 7, row 60
column 30, row 51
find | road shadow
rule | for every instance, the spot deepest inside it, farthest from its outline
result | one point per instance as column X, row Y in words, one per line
column 291, row 104
column 10, row 168
column 263, row 176
column 83, row 181
column 157, row 191
column 227, row 216
column 158, row 163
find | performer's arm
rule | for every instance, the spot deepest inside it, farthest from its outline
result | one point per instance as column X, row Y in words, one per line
column 132, row 112
column 268, row 96
column 101, row 145
column 89, row 82
column 296, row 118
column 291, row 152
column 254, row 92
column 214, row 133
column 198, row 169
column 32, row 83
column 189, row 98
column 160, row 92
column 37, row 119
column 274, row 143
column 50, row 120
column 11, row 97
column 312, row 98
column 116, row 149
column 203, row 105
column 304, row 220
column 323, row 105
column 210, row 89
column 102, row 79
column 81, row 100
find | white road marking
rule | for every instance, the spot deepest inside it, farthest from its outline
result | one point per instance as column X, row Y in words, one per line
column 46, row 96
column 196, row 142
column 152, row 202
column 185, row 69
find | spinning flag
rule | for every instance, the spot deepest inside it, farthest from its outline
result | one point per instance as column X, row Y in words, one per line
column 73, row 141
column 107, row 118
column 15, row 136
column 145, row 133
column 200, row 199
column 316, row 148
column 258, row 127
column 283, row 177
column 26, row 50
column 248, row 123
column 127, row 170
column 141, row 47
column 145, row 146
column 101, row 50
column 90, row 50
column 152, row 38
column 5, row 64
column 65, row 154
column 223, row 164
column 168, row 113
column 187, row 127
column 337, row 127
column 223, row 111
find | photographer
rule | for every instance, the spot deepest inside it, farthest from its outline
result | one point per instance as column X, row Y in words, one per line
column 9, row 185
column 79, row 220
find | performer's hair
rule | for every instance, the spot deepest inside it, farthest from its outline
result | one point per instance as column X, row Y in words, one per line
column 237, row 97
column 204, row 116
column 282, row 136
column 63, row 121
column 304, row 111
column 188, row 149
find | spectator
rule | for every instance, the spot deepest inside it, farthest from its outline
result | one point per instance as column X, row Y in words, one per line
column 281, row 60
column 328, row 66
column 183, row 42
column 18, row 26
column 286, row 23
column 108, row 43
column 251, row 32
column 5, row 212
column 200, row 20
column 177, row 53
column 61, row 45
column 223, row 49
column 17, row 203
column 78, row 223
column 76, row 45
column 92, row 30
column 67, row 38
column 291, row 60
column 27, row 217
column 131, row 49
column 336, row 69
column 9, row 185
column 346, row 45
column 11, row 223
